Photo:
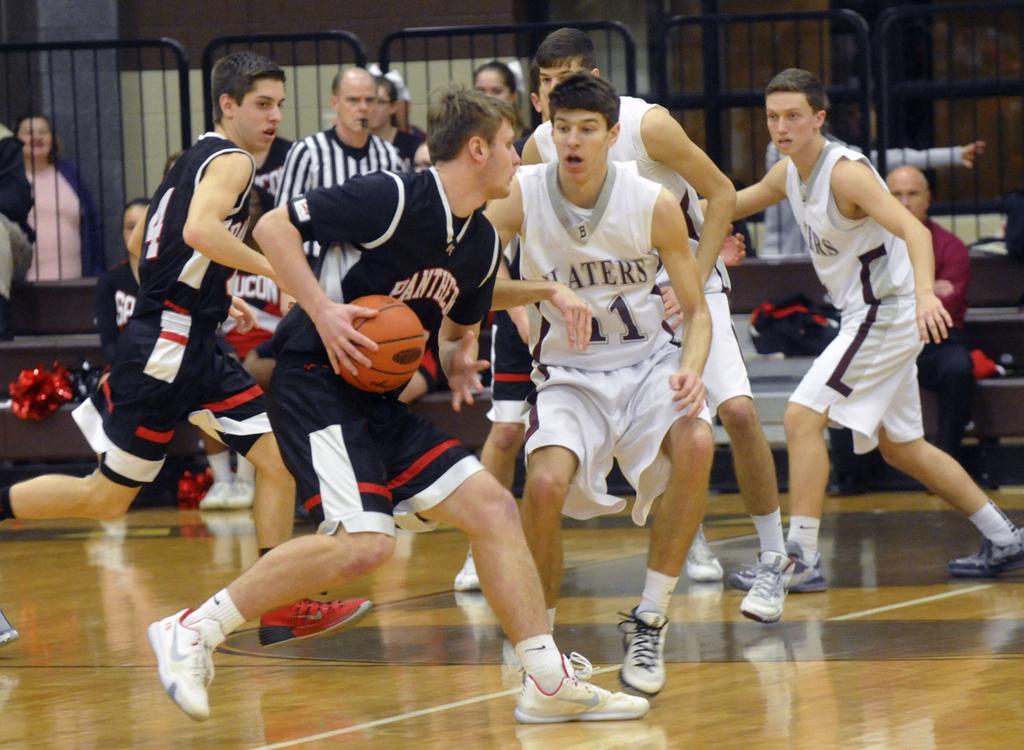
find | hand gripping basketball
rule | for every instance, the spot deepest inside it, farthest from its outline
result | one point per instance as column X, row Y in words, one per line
column 399, row 334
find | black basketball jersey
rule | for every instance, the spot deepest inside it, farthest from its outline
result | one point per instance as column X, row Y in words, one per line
column 173, row 277
column 116, row 292
column 394, row 234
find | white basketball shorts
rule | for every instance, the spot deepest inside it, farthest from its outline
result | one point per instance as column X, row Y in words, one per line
column 725, row 374
column 867, row 377
column 599, row 415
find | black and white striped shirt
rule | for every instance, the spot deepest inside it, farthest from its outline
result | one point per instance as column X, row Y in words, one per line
column 322, row 160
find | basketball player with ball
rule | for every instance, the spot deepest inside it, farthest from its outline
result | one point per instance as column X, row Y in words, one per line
column 169, row 366
column 361, row 460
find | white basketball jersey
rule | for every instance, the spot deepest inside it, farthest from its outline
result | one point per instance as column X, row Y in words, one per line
column 604, row 254
column 859, row 262
column 630, row 147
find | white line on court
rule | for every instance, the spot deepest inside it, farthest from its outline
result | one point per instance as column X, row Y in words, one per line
column 408, row 715
column 505, row 693
column 911, row 602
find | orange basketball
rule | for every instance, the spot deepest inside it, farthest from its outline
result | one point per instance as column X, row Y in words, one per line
column 399, row 334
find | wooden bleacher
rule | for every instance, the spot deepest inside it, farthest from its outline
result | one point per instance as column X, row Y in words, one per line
column 54, row 320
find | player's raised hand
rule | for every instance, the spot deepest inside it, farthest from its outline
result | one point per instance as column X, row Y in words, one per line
column 933, row 322
column 689, row 393
column 577, row 316
column 464, row 371
column 335, row 324
column 243, row 314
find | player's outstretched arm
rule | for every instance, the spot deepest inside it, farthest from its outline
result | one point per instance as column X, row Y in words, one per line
column 518, row 313
column 458, row 347
column 509, row 293
column 668, row 235
column 283, row 246
column 767, row 191
column 667, row 142
column 506, row 214
column 225, row 178
column 858, row 192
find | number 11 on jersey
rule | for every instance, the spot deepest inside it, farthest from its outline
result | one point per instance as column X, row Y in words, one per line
column 620, row 307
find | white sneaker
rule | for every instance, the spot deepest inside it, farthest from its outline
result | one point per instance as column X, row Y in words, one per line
column 184, row 656
column 575, row 699
column 701, row 563
column 241, row 495
column 467, row 579
column 217, row 497
column 643, row 667
column 767, row 596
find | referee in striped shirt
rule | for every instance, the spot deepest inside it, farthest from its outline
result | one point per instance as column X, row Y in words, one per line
column 343, row 151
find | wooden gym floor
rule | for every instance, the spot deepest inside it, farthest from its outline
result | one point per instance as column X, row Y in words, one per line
column 893, row 655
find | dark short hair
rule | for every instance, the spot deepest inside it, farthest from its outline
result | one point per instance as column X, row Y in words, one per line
column 457, row 115
column 140, row 201
column 800, row 81
column 587, row 92
column 236, row 75
column 565, row 45
column 507, row 76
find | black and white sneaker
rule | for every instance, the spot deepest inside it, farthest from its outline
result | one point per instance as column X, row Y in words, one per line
column 643, row 667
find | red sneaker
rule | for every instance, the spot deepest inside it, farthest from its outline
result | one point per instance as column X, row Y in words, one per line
column 307, row 618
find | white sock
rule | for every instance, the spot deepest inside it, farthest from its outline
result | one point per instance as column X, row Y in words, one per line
column 994, row 525
column 551, row 617
column 542, row 661
column 220, row 465
column 221, row 608
column 246, row 469
column 769, row 531
column 804, row 531
column 658, row 589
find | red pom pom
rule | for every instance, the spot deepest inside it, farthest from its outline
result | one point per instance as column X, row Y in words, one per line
column 37, row 393
column 193, row 487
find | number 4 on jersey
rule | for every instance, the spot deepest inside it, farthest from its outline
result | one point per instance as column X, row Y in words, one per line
column 155, row 227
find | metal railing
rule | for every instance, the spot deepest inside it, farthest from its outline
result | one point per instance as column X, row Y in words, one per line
column 118, row 108
column 310, row 60
column 949, row 75
column 433, row 56
column 712, row 70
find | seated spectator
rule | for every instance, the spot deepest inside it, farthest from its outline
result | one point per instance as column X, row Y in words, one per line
column 15, row 235
column 118, row 288
column 496, row 79
column 384, row 123
column 69, row 236
column 944, row 368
